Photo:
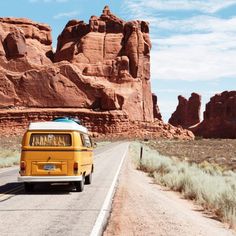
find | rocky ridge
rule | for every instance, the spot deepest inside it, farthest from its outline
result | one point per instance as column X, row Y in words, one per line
column 219, row 120
column 100, row 67
column 187, row 112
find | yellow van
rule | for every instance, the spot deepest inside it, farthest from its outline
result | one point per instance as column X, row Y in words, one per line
column 58, row 151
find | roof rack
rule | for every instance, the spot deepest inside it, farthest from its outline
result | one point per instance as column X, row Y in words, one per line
column 67, row 119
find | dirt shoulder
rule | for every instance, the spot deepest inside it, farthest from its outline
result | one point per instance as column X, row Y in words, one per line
column 143, row 208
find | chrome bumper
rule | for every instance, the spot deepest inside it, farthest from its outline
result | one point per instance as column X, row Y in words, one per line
column 49, row 178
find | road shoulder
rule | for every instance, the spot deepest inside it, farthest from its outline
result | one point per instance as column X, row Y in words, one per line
column 143, row 208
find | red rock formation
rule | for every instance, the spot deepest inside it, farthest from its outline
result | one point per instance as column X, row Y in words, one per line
column 108, row 124
column 15, row 44
column 118, row 51
column 187, row 112
column 22, row 37
column 156, row 110
column 102, row 67
column 219, row 117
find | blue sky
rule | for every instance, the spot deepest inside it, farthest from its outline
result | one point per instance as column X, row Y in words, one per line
column 194, row 41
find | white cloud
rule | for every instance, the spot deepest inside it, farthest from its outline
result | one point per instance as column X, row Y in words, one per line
column 192, row 63
column 206, row 6
column 196, row 46
column 200, row 47
column 202, row 23
column 208, row 54
column 66, row 14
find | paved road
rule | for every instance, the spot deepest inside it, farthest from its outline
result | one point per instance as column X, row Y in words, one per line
column 58, row 210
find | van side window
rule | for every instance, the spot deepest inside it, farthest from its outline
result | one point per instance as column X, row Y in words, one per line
column 86, row 140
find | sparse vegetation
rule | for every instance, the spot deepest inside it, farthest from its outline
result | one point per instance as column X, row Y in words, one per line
column 9, row 151
column 8, row 157
column 220, row 153
column 211, row 186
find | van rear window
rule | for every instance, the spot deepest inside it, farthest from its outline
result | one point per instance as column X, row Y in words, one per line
column 50, row 140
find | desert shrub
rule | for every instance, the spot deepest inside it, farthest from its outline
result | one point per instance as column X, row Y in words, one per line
column 210, row 168
column 206, row 184
column 9, row 157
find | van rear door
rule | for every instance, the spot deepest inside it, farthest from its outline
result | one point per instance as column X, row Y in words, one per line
column 49, row 154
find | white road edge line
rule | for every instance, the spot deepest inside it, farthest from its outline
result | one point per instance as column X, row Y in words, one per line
column 98, row 226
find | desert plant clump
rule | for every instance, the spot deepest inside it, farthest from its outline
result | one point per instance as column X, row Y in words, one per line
column 210, row 186
column 9, row 157
column 219, row 153
column 10, row 151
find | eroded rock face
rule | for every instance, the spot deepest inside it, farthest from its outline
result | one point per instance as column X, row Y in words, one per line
column 103, row 65
column 15, row 44
column 187, row 112
column 24, row 38
column 219, row 117
column 99, row 73
column 106, row 125
column 156, row 110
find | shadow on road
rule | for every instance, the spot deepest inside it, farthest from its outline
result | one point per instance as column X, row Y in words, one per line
column 4, row 189
column 16, row 188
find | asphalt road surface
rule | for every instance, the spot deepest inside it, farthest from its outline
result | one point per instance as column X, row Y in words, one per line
column 58, row 209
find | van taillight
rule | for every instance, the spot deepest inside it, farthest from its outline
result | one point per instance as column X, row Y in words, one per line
column 22, row 166
column 76, row 167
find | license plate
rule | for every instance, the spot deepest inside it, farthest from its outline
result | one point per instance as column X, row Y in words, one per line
column 49, row 167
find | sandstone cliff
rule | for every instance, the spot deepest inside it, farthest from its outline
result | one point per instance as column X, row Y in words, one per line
column 187, row 112
column 156, row 110
column 100, row 72
column 103, row 65
column 219, row 117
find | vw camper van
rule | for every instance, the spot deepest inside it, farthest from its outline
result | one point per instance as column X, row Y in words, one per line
column 58, row 151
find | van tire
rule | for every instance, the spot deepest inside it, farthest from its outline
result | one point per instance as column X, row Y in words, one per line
column 29, row 187
column 79, row 185
column 88, row 179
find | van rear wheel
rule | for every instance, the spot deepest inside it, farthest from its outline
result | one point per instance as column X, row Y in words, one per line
column 79, row 185
column 29, row 187
column 88, row 179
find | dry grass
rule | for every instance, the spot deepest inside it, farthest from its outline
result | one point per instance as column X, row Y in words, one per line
column 9, row 151
column 211, row 187
column 218, row 152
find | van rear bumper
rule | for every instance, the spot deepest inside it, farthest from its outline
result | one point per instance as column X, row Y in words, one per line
column 53, row 179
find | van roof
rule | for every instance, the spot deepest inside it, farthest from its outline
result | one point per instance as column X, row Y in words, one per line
column 52, row 125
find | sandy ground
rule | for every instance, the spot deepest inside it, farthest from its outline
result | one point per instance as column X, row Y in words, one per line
column 215, row 151
column 143, row 208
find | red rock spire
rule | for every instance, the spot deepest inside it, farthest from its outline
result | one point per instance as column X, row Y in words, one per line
column 106, row 11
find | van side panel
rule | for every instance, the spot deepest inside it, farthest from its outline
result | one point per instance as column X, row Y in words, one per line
column 84, row 158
